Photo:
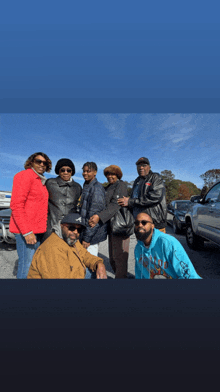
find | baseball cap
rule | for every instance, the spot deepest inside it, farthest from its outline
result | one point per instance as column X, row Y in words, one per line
column 143, row 160
column 73, row 218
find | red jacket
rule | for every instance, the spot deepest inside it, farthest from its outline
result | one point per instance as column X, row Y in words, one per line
column 29, row 204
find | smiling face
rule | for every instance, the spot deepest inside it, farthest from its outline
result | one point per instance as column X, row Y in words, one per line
column 88, row 174
column 143, row 169
column 112, row 178
column 70, row 233
column 39, row 164
column 65, row 173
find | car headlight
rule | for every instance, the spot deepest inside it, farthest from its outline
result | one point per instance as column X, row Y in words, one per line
column 181, row 218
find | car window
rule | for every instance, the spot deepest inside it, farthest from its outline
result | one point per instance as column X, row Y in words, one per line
column 214, row 194
column 182, row 205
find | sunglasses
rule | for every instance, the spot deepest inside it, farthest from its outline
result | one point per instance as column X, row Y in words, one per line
column 66, row 170
column 142, row 164
column 39, row 161
column 73, row 228
column 143, row 222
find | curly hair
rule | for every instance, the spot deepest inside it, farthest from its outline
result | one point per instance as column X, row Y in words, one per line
column 28, row 162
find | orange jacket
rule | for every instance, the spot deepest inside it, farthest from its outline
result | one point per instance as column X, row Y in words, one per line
column 55, row 259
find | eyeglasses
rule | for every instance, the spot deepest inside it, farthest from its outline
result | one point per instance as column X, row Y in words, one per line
column 39, row 161
column 143, row 222
column 142, row 164
column 73, row 228
column 66, row 170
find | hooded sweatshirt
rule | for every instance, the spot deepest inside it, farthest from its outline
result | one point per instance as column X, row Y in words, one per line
column 164, row 258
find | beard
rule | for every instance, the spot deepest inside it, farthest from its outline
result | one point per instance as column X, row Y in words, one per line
column 142, row 236
column 69, row 241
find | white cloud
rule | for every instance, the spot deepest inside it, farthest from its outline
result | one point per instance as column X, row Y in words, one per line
column 12, row 159
column 115, row 125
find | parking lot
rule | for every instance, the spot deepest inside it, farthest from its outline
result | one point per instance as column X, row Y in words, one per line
column 206, row 262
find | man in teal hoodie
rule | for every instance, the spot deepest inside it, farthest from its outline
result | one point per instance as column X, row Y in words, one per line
column 159, row 255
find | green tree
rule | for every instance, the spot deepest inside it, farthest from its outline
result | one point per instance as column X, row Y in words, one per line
column 210, row 177
column 204, row 190
column 175, row 191
column 168, row 178
column 105, row 184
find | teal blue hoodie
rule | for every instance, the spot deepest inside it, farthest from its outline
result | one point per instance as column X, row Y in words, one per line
column 165, row 258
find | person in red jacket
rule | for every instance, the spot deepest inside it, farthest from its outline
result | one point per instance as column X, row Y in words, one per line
column 29, row 205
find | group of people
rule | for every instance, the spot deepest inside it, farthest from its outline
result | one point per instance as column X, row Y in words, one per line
column 58, row 224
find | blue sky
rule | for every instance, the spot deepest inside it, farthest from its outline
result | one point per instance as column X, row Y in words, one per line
column 186, row 144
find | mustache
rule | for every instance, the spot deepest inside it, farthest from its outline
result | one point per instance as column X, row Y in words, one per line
column 142, row 235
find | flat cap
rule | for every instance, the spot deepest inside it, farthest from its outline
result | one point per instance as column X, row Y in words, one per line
column 143, row 160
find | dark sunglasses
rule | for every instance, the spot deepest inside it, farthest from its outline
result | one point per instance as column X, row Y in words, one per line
column 39, row 161
column 143, row 222
column 66, row 170
column 73, row 228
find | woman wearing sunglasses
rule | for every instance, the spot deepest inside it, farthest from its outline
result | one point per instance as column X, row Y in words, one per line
column 29, row 205
column 64, row 194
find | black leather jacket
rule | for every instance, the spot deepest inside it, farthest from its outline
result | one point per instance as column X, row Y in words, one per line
column 112, row 193
column 151, row 199
column 63, row 198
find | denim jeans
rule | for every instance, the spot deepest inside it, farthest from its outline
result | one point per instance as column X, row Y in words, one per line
column 93, row 249
column 25, row 254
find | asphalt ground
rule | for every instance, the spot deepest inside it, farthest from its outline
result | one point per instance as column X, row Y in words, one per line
column 206, row 261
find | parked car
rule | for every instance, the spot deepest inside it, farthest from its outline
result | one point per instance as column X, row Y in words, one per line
column 5, row 199
column 203, row 219
column 176, row 214
column 5, row 234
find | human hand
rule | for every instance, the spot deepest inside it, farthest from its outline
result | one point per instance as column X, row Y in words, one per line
column 30, row 239
column 101, row 271
column 85, row 244
column 93, row 220
column 123, row 201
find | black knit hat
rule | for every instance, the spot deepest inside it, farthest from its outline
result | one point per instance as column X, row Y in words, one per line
column 64, row 162
column 143, row 160
column 73, row 218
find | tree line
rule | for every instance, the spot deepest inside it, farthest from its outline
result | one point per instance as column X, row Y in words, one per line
column 182, row 190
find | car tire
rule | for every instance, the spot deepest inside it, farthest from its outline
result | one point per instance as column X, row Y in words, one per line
column 193, row 241
column 176, row 229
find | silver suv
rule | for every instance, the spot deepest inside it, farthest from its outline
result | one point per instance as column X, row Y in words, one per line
column 203, row 219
